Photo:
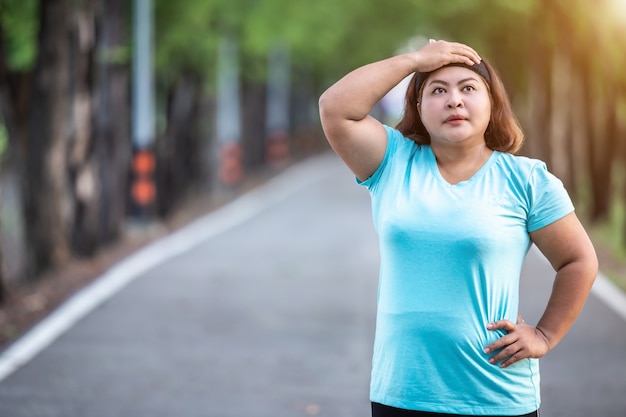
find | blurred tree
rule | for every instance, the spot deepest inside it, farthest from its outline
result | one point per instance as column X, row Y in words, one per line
column 186, row 57
column 560, row 58
column 81, row 166
column 47, row 200
column 186, row 46
column 16, row 51
column 619, row 36
column 64, row 72
column 67, row 115
column 111, row 119
column 18, row 46
column 575, row 33
column 584, row 54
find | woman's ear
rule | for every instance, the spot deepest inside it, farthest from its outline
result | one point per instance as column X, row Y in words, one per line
column 419, row 108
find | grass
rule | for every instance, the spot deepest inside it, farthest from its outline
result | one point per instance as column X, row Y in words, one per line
column 609, row 236
column 609, row 239
column 611, row 252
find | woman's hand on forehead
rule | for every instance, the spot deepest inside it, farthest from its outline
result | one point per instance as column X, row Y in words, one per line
column 439, row 53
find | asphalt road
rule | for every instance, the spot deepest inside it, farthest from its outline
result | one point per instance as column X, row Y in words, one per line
column 267, row 308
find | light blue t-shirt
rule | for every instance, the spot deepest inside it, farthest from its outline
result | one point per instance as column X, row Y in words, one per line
column 451, row 257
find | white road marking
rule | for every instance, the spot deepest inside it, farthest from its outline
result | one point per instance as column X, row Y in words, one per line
column 233, row 214
column 610, row 294
column 115, row 279
column 603, row 288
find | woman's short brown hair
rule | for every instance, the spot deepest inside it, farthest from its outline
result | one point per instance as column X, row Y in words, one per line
column 503, row 133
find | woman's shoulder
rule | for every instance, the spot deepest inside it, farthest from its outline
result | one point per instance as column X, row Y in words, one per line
column 520, row 163
column 397, row 139
column 527, row 173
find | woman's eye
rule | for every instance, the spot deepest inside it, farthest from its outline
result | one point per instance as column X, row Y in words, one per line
column 468, row 88
column 438, row 90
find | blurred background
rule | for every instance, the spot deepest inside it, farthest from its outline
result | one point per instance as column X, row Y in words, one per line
column 115, row 115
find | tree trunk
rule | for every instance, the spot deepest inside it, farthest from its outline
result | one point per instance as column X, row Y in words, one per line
column 112, row 126
column 621, row 133
column 15, row 92
column 253, row 129
column 3, row 106
column 601, row 147
column 538, row 143
column 307, row 137
column 180, row 150
column 577, row 132
column 606, row 152
column 47, row 204
column 560, row 140
column 82, row 165
column 3, row 275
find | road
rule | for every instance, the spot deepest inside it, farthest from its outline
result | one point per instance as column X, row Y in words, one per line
column 265, row 308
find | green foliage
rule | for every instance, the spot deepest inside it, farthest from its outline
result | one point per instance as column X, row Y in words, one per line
column 326, row 34
column 18, row 20
column 312, row 30
column 331, row 37
column 185, row 39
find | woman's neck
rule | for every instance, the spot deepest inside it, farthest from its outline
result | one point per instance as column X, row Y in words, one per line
column 460, row 163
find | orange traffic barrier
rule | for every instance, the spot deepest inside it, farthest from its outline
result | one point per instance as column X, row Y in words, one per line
column 277, row 149
column 143, row 188
column 230, row 164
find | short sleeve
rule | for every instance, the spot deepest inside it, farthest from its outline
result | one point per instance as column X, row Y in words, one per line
column 549, row 200
column 393, row 138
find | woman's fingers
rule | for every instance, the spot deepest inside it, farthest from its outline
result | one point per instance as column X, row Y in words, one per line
column 504, row 340
column 509, row 355
column 468, row 53
column 440, row 53
column 521, row 341
column 501, row 324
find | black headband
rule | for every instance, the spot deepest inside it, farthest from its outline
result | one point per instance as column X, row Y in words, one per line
column 480, row 69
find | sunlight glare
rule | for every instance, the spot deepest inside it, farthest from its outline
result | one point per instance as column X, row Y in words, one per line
column 619, row 7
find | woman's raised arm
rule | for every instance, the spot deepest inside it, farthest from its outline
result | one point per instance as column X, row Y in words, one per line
column 359, row 139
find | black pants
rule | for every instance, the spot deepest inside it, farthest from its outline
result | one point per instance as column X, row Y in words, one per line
column 379, row 410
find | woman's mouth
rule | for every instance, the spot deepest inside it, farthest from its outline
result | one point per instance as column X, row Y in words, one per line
column 454, row 119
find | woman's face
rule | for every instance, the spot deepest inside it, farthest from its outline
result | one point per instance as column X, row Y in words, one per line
column 455, row 106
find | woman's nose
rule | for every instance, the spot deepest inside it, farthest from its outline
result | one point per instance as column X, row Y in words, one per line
column 454, row 100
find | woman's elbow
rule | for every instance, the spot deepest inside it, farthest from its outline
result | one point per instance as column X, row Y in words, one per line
column 593, row 265
column 588, row 265
column 325, row 107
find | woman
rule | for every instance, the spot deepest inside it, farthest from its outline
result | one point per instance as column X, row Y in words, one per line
column 456, row 213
